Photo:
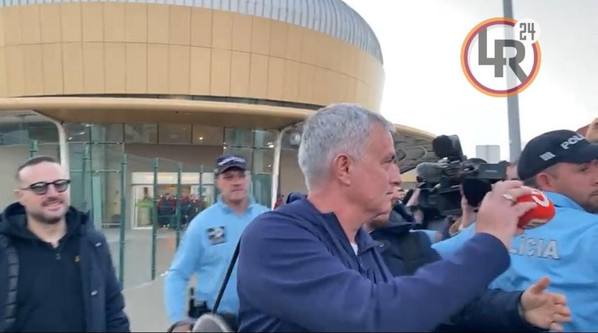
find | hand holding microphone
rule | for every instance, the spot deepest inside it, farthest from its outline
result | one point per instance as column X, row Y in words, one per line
column 539, row 215
column 509, row 208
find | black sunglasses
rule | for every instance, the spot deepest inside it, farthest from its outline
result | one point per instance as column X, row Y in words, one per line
column 41, row 188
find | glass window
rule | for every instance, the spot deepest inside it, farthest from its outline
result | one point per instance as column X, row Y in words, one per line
column 174, row 133
column 236, row 137
column 77, row 132
column 261, row 189
column 208, row 136
column 141, row 133
column 264, row 139
column 12, row 134
column 107, row 133
column 114, row 133
column 43, row 132
column 246, row 153
column 262, row 160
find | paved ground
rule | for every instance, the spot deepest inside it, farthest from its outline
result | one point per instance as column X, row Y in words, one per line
column 138, row 254
column 145, row 307
column 144, row 297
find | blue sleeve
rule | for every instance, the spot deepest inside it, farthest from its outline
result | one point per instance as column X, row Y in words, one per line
column 181, row 269
column 285, row 271
column 449, row 246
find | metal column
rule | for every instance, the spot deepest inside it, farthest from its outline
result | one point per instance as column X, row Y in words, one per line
column 276, row 163
column 155, row 217
column 513, row 100
column 123, row 210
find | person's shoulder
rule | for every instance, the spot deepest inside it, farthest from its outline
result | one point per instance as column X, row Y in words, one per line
column 283, row 218
column 205, row 219
column 208, row 213
column 259, row 209
column 576, row 218
column 273, row 216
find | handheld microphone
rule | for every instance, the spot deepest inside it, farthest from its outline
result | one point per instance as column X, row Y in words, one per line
column 539, row 215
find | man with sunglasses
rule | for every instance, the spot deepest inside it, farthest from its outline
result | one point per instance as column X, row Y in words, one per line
column 56, row 273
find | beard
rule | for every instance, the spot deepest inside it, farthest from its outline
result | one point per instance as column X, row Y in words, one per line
column 43, row 218
column 48, row 220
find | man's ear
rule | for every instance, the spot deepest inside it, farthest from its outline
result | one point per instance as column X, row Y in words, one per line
column 18, row 193
column 545, row 181
column 341, row 168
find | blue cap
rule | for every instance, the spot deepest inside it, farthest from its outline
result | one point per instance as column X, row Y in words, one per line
column 226, row 162
column 554, row 147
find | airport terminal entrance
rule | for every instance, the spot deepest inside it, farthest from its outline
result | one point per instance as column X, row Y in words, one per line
column 194, row 197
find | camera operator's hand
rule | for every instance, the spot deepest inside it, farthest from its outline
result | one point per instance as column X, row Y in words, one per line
column 468, row 213
column 499, row 212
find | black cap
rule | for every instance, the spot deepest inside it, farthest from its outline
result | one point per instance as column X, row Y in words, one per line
column 555, row 147
column 226, row 162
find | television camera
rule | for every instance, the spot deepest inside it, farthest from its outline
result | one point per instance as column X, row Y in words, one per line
column 443, row 183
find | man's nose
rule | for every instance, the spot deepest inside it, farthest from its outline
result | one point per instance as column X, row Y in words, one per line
column 52, row 191
column 395, row 175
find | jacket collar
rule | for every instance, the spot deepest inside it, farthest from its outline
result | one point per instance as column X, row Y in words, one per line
column 363, row 240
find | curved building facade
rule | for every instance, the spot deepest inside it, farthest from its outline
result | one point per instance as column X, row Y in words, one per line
column 182, row 81
column 299, row 52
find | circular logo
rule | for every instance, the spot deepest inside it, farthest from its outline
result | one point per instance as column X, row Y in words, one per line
column 540, row 198
column 501, row 57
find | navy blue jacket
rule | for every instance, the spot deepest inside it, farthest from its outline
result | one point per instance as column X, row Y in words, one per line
column 298, row 272
column 103, row 300
column 405, row 251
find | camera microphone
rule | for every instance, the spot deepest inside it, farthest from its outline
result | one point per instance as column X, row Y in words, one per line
column 430, row 172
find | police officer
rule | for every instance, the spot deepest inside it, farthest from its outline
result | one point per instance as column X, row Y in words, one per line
column 564, row 165
column 209, row 242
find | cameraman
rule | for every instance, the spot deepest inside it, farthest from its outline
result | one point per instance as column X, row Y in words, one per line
column 460, row 229
column 456, row 224
column 405, row 250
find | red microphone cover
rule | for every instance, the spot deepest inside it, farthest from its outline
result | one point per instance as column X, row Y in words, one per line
column 539, row 215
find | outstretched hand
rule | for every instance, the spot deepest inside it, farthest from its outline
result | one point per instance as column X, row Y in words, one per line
column 544, row 309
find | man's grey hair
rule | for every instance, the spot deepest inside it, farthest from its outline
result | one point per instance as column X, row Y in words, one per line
column 333, row 130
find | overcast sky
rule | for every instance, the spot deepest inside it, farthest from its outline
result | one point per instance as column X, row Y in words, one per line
column 425, row 86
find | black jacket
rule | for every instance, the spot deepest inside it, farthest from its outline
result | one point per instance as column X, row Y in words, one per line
column 404, row 251
column 102, row 297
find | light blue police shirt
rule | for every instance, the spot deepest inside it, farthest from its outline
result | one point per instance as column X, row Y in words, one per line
column 206, row 249
column 565, row 249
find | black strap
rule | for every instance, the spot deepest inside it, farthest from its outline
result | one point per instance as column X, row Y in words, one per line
column 229, row 271
column 12, row 270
